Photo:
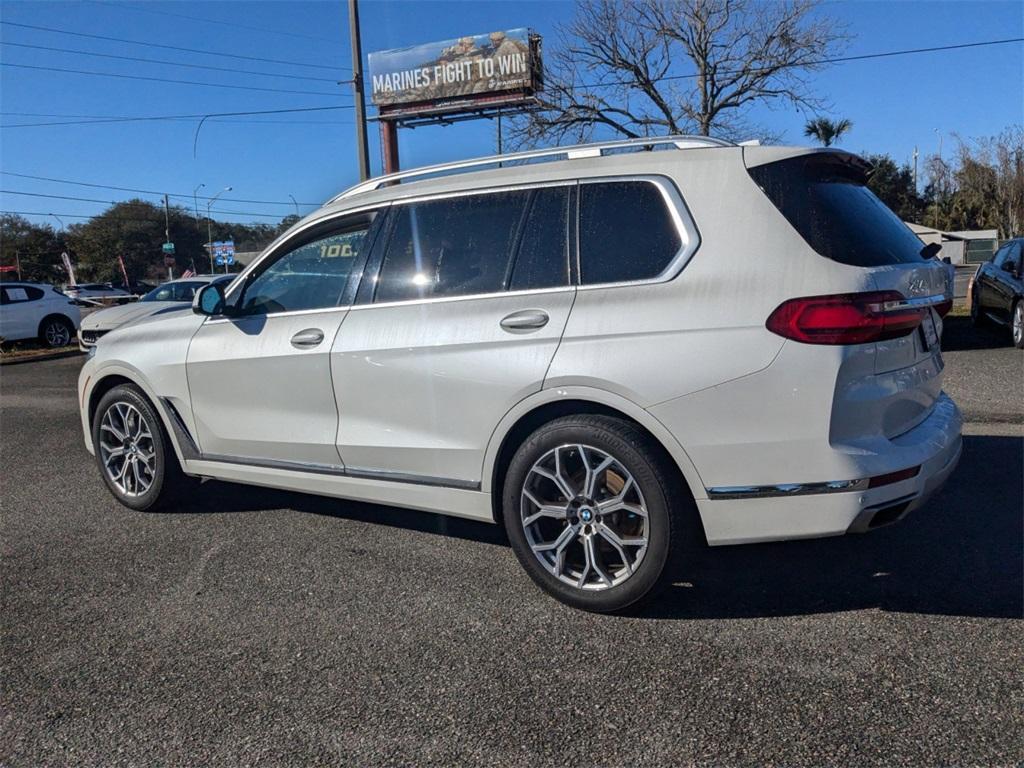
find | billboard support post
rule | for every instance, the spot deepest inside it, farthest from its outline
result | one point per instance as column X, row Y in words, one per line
column 357, row 86
column 389, row 145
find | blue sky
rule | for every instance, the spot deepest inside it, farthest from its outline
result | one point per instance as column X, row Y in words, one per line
column 895, row 103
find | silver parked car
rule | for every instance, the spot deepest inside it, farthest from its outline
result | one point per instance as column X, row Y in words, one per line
column 172, row 296
column 621, row 355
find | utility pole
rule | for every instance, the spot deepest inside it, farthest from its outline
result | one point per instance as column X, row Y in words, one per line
column 167, row 234
column 915, row 170
column 357, row 85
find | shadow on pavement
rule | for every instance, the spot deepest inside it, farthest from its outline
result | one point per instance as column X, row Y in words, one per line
column 959, row 334
column 961, row 554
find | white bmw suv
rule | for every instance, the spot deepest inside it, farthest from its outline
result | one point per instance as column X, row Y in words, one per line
column 621, row 355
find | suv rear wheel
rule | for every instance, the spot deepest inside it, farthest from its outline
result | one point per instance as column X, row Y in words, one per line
column 1017, row 324
column 588, row 507
column 135, row 455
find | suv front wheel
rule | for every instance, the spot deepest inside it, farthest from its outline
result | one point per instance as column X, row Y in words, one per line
column 588, row 507
column 136, row 458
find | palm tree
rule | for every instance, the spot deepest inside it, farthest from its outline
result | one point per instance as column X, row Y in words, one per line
column 826, row 131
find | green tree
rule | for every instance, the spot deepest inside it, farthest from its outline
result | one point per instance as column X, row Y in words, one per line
column 827, row 132
column 134, row 230
column 894, row 185
column 36, row 247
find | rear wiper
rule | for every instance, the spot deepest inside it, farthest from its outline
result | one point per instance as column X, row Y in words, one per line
column 930, row 250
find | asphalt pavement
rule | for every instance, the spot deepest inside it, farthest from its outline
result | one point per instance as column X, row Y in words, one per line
column 255, row 627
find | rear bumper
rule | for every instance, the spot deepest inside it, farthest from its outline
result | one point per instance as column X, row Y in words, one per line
column 800, row 511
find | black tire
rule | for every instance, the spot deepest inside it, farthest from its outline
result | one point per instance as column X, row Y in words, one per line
column 1017, row 324
column 672, row 527
column 56, row 331
column 978, row 318
column 168, row 483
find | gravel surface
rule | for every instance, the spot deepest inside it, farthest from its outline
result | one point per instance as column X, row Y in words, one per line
column 265, row 628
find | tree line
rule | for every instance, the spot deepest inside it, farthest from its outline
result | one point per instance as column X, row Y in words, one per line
column 135, row 231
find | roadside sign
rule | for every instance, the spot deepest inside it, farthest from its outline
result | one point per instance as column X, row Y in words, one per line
column 224, row 252
column 168, row 248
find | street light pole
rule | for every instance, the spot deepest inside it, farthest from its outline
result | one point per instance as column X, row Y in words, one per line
column 195, row 202
column 209, row 226
column 296, row 206
column 357, row 85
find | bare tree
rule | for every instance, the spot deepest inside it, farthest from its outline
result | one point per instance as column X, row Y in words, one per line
column 642, row 67
column 983, row 187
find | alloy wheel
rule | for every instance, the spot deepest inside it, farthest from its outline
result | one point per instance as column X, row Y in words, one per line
column 584, row 517
column 1018, row 323
column 57, row 334
column 127, row 449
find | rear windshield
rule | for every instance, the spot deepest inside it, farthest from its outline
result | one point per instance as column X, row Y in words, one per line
column 825, row 200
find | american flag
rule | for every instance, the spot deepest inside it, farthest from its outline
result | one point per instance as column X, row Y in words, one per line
column 188, row 273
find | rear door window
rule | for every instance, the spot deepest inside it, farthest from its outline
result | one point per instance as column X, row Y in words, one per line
column 543, row 257
column 824, row 198
column 626, row 232
column 457, row 246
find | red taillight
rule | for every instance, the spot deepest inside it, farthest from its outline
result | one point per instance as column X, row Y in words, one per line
column 944, row 307
column 845, row 318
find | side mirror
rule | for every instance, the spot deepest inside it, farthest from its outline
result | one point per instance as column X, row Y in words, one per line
column 209, row 300
column 1009, row 266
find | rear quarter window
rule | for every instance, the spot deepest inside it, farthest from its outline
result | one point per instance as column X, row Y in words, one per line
column 824, row 198
column 627, row 232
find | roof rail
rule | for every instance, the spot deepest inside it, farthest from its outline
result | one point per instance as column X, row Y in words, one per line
column 576, row 151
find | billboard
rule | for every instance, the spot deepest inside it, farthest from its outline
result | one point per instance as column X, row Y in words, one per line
column 479, row 68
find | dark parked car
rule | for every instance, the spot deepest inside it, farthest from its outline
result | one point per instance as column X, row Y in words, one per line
column 997, row 293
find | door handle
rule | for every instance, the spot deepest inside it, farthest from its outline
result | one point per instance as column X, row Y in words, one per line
column 308, row 338
column 525, row 320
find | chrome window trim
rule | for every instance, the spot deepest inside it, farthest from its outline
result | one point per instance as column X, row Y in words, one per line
column 685, row 227
column 467, row 297
column 689, row 235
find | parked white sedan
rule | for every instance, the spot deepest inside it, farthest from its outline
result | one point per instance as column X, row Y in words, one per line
column 37, row 310
column 172, row 296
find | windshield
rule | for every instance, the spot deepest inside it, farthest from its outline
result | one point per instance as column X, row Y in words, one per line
column 183, row 291
column 825, row 200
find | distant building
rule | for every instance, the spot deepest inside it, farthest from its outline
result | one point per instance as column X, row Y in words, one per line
column 966, row 247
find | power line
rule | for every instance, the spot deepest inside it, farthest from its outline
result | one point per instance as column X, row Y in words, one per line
column 150, row 44
column 185, row 119
column 182, row 117
column 165, row 80
column 149, row 191
column 232, row 24
column 169, row 63
column 818, row 62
